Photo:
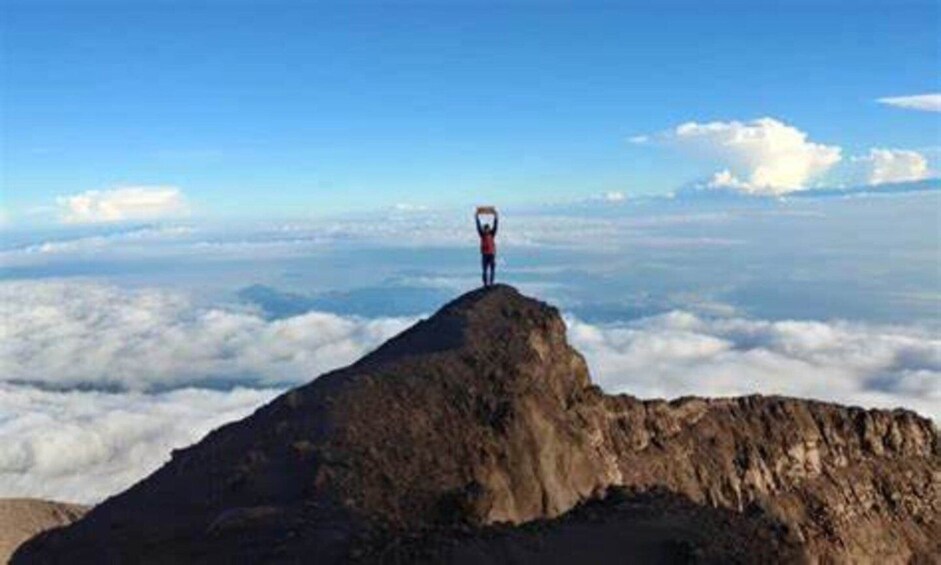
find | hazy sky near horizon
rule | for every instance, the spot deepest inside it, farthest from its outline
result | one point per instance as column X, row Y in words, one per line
column 242, row 109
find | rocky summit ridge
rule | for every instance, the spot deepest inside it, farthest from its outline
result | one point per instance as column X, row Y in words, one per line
column 478, row 431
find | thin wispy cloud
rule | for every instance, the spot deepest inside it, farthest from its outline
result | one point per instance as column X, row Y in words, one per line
column 393, row 228
column 930, row 102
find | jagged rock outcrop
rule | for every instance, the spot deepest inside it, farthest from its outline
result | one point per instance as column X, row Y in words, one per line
column 23, row 518
column 484, row 415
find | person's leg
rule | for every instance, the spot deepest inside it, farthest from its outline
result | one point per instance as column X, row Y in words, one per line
column 493, row 268
column 483, row 269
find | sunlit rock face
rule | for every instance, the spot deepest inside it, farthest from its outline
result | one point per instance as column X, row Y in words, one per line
column 23, row 518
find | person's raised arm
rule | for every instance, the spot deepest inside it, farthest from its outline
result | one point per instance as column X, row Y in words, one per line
column 480, row 230
column 496, row 222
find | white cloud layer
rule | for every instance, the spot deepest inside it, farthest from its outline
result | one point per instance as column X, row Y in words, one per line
column 58, row 440
column 926, row 102
column 122, row 204
column 65, row 334
column 83, row 446
column 762, row 156
column 680, row 353
column 893, row 165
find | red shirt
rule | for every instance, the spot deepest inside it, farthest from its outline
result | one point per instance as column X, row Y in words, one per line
column 488, row 244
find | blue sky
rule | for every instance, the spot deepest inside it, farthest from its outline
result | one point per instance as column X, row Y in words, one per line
column 289, row 110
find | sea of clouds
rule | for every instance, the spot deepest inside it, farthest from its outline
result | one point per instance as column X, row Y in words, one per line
column 99, row 382
column 85, row 445
column 680, row 353
column 82, row 334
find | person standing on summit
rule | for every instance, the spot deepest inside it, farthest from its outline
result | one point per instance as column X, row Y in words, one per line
column 488, row 244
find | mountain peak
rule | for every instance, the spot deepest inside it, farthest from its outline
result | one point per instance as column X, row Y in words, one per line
column 484, row 414
column 473, row 319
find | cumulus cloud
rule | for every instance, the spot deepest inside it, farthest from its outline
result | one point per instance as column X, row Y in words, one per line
column 892, row 165
column 680, row 353
column 83, row 446
column 926, row 102
column 65, row 334
column 122, row 204
column 762, row 156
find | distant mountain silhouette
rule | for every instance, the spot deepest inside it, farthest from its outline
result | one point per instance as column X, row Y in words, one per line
column 389, row 300
column 476, row 436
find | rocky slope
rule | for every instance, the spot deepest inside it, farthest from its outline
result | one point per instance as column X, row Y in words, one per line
column 484, row 416
column 23, row 518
